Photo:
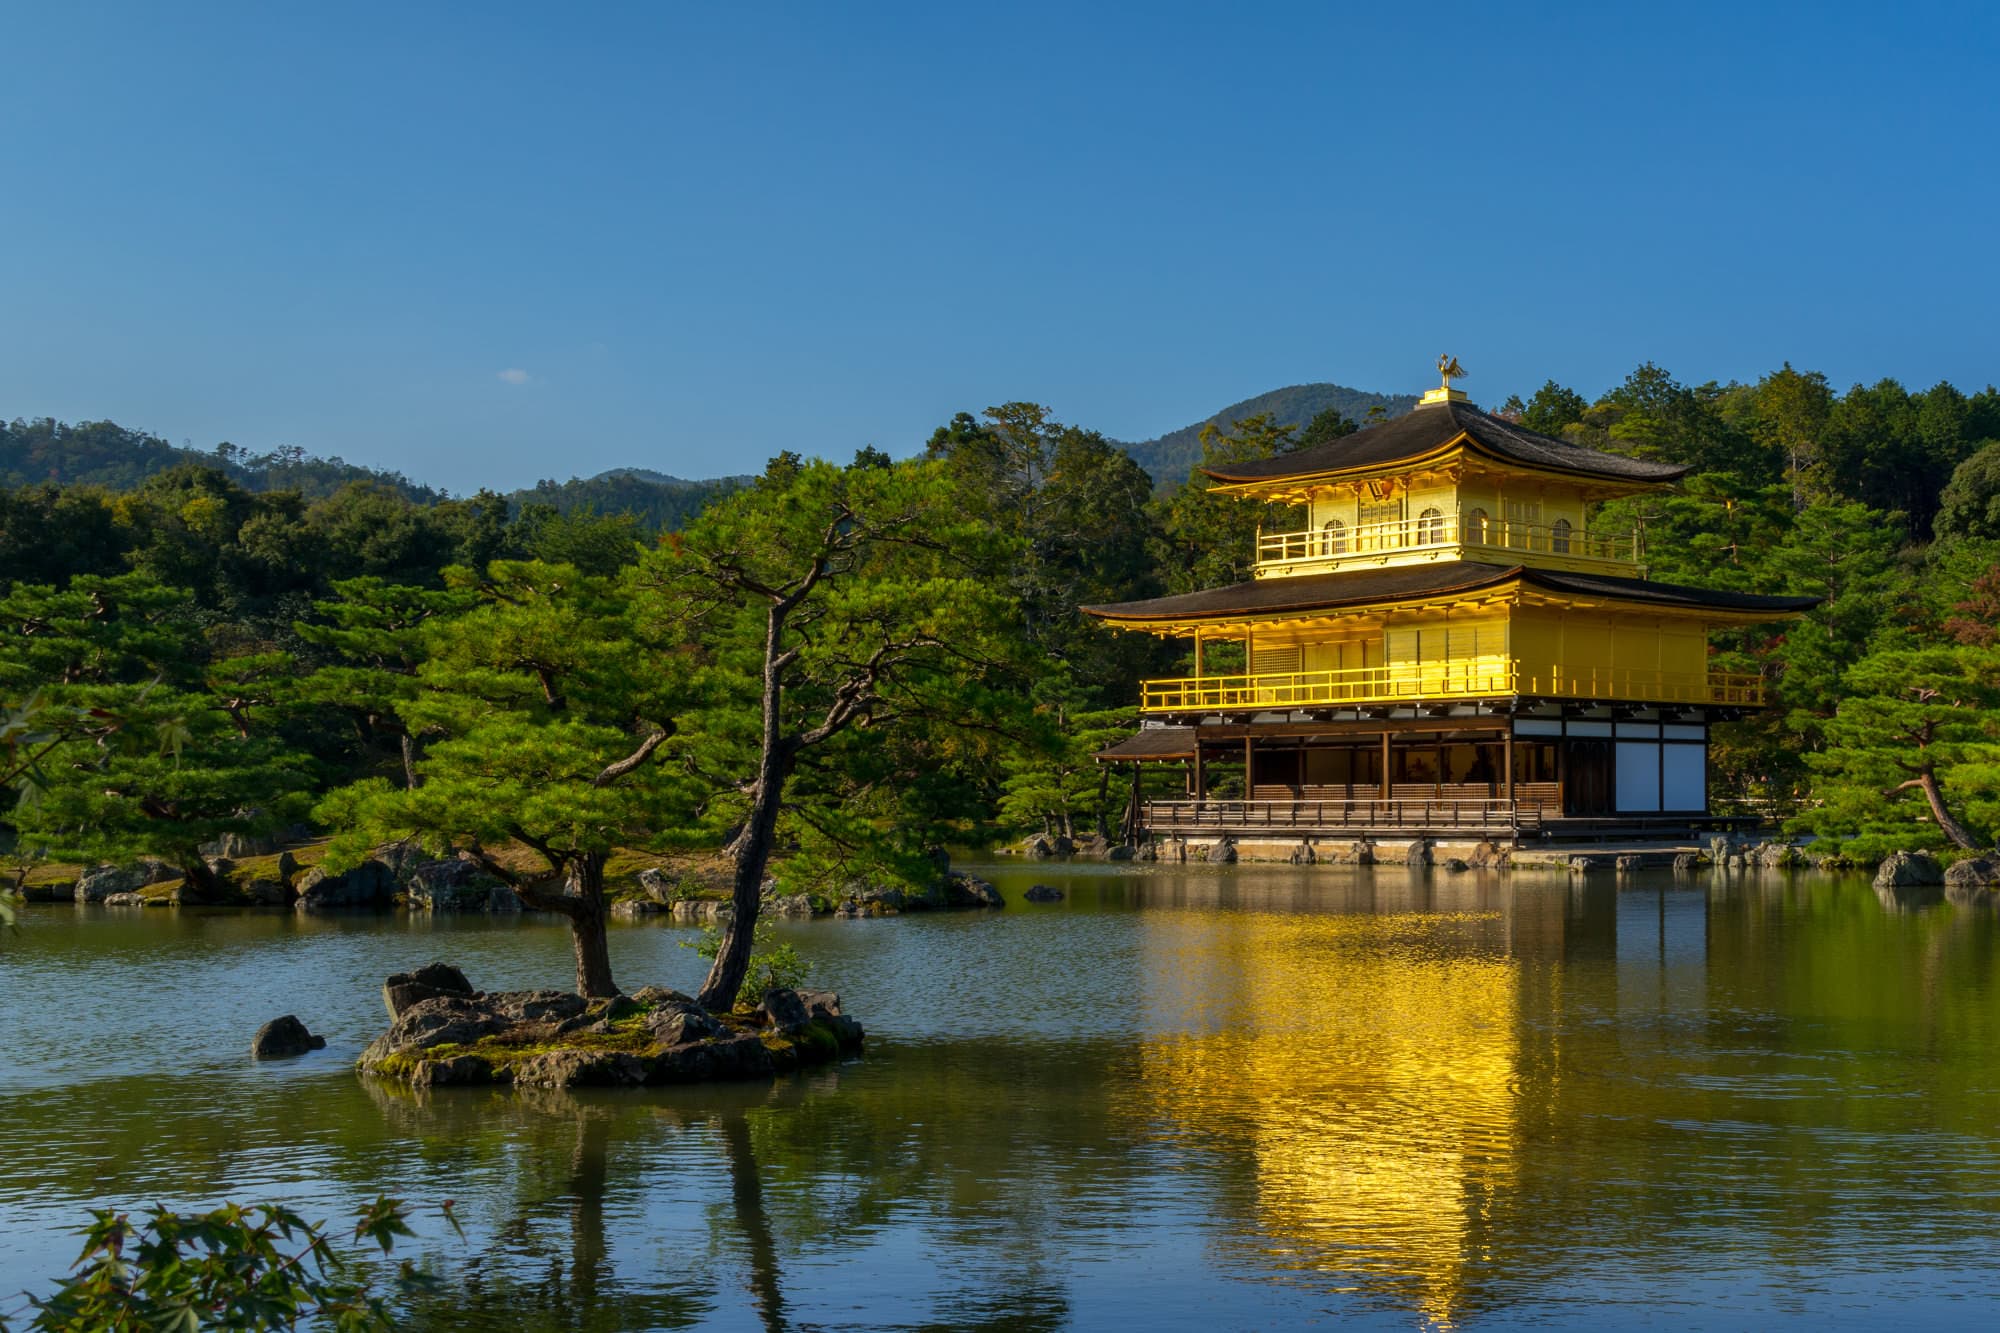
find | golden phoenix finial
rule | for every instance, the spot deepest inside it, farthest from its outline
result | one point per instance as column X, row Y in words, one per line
column 1449, row 369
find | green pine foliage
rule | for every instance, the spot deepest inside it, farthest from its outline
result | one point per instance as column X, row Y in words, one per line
column 1911, row 755
column 1053, row 782
column 154, row 758
column 1969, row 508
column 545, row 707
column 877, row 601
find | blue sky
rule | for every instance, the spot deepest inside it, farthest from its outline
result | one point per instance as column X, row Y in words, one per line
column 491, row 244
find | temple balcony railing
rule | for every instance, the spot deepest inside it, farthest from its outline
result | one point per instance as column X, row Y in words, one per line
column 1433, row 535
column 1402, row 814
column 1419, row 682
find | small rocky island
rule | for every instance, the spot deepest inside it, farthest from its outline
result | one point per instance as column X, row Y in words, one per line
column 443, row 1032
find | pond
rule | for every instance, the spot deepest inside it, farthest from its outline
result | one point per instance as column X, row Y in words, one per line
column 1183, row 1097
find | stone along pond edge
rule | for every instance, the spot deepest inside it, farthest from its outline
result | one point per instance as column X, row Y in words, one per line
column 401, row 875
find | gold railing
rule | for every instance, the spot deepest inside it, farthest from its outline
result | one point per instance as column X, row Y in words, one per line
column 1481, row 678
column 1446, row 530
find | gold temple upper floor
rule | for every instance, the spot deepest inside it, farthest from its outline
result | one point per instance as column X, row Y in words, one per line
column 1433, row 533
column 1447, row 680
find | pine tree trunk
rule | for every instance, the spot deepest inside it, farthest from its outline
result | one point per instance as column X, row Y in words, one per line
column 587, row 930
column 753, row 845
column 1960, row 836
column 746, row 899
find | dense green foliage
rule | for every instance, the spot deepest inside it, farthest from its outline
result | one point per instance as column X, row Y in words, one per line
column 897, row 648
column 540, row 707
column 861, row 659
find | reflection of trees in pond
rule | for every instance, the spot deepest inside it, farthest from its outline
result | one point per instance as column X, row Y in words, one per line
column 1855, row 1043
column 790, row 1185
column 837, row 1173
column 746, row 1192
column 527, row 1273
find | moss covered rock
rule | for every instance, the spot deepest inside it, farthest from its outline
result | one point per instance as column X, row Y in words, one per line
column 653, row 1037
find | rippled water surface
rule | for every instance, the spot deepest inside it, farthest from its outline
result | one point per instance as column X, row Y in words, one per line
column 1181, row 1098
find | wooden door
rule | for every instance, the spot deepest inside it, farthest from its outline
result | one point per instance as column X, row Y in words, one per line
column 1587, row 777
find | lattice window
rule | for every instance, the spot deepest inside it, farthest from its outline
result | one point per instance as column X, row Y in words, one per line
column 1276, row 658
column 1333, row 538
column 1430, row 527
column 1523, row 516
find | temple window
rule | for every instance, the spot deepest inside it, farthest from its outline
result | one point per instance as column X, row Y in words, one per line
column 1379, row 520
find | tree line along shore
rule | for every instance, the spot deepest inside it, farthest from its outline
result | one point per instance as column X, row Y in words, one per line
column 847, row 667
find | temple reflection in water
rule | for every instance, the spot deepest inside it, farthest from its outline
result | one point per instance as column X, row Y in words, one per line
column 1379, row 1079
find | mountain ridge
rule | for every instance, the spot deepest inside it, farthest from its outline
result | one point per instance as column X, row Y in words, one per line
column 102, row 453
column 1169, row 458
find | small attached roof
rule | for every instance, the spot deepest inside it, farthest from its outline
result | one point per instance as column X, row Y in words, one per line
column 1404, row 583
column 1152, row 743
column 1426, row 429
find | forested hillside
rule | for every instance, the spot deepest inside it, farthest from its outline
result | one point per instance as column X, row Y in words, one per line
column 1168, row 458
column 104, row 454
column 655, row 500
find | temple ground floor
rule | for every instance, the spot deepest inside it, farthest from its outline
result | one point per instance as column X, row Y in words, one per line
column 1519, row 770
column 1482, row 852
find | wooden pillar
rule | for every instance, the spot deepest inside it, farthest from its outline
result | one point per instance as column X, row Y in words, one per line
column 1133, row 807
column 1197, row 653
column 1507, row 743
column 1200, row 787
column 1385, row 765
column 1249, row 783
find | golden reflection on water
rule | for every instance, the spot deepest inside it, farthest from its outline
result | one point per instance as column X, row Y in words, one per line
column 1366, row 1069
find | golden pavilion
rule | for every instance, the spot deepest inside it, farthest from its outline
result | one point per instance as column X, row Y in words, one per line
column 1448, row 646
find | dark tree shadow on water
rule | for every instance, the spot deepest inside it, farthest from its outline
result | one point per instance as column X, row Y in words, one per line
column 758, row 1207
column 746, row 1191
column 534, row 1277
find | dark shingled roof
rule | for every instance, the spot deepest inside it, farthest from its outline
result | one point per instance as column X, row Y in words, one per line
column 1313, row 592
column 1424, row 429
column 1153, row 743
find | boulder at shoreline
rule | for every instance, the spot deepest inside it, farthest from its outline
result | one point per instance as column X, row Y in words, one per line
column 1909, row 870
column 283, row 1038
